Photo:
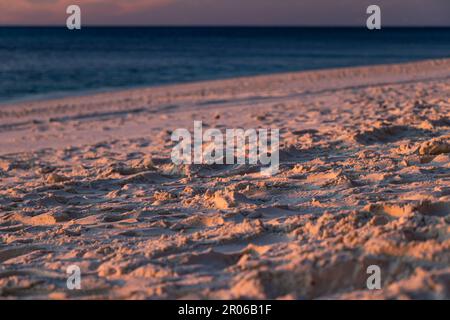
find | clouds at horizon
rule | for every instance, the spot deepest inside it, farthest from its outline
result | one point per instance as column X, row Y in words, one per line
column 226, row 12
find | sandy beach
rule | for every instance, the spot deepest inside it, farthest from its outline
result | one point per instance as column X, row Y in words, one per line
column 364, row 180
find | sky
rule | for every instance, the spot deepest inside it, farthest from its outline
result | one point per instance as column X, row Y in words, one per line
column 227, row 12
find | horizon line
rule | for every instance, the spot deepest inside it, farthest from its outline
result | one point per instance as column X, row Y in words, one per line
column 215, row 26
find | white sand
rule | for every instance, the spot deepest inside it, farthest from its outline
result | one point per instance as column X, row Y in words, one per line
column 364, row 179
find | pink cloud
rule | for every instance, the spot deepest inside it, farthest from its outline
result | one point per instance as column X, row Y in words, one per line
column 224, row 12
column 30, row 12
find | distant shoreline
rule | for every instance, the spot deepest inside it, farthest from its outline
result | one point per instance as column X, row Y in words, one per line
column 63, row 96
column 107, row 90
column 204, row 96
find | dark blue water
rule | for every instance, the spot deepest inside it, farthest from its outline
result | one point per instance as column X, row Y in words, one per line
column 37, row 62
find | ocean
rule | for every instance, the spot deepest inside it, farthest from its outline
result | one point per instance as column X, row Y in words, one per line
column 44, row 62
